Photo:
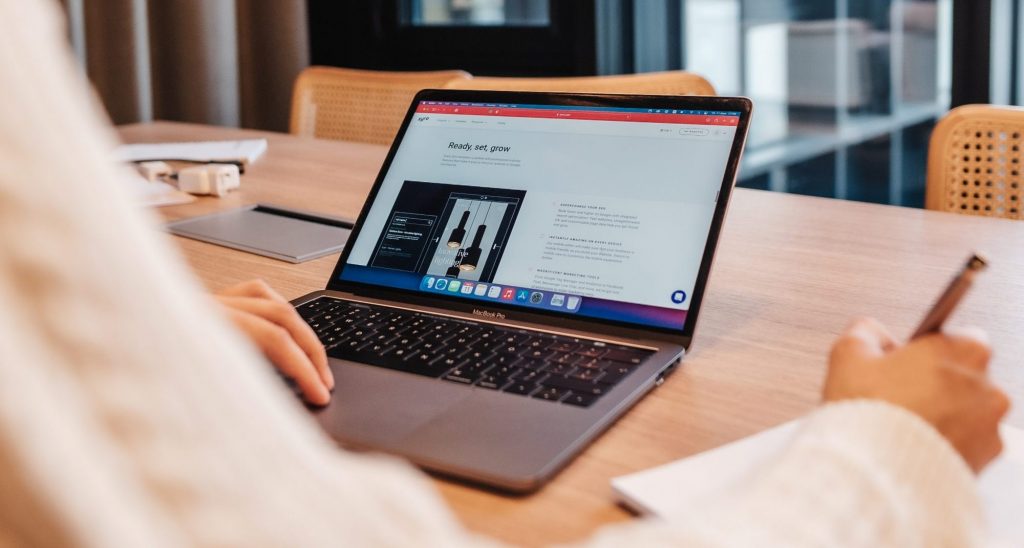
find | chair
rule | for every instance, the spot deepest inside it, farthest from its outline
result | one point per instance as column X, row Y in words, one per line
column 358, row 105
column 651, row 83
column 974, row 162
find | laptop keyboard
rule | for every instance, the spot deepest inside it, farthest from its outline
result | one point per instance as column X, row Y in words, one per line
column 528, row 363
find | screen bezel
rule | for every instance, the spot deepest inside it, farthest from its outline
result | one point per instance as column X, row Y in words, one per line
column 682, row 336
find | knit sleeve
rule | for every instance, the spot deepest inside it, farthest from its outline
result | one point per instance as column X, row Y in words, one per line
column 859, row 474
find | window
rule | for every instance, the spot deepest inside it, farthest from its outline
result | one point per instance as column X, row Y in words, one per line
column 516, row 13
column 846, row 92
column 483, row 37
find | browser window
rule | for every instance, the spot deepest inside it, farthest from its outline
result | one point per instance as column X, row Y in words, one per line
column 601, row 212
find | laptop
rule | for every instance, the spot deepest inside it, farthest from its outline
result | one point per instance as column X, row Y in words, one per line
column 527, row 266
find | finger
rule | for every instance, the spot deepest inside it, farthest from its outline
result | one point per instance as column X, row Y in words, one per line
column 280, row 348
column 1000, row 403
column 864, row 338
column 284, row 315
column 968, row 347
column 998, row 406
column 252, row 288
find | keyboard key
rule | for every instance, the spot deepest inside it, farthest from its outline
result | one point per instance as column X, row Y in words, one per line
column 353, row 344
column 461, row 340
column 581, row 400
column 514, row 338
column 533, row 365
column 408, row 343
column 539, row 353
column 581, row 387
column 311, row 308
column 550, row 394
column 477, row 354
column 462, row 375
column 468, row 331
column 477, row 367
column 560, row 369
column 383, row 337
column 487, row 335
column 508, row 349
column 616, row 373
column 504, row 359
column 375, row 348
column 564, row 346
column 587, row 375
column 421, row 357
column 504, row 371
column 431, row 346
column 634, row 357
column 330, row 340
column 593, row 363
column 521, row 388
column 445, row 362
column 531, row 377
column 401, row 352
column 565, row 358
column 493, row 381
column 591, row 351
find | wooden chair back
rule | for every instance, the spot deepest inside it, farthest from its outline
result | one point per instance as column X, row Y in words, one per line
column 975, row 162
column 358, row 105
column 675, row 82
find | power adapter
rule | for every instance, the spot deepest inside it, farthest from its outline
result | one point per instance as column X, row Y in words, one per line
column 211, row 179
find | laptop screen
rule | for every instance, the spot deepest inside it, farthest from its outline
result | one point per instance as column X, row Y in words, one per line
column 588, row 211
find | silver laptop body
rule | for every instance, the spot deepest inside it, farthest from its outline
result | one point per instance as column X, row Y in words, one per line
column 489, row 436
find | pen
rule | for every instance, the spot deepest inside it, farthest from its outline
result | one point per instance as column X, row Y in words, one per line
column 951, row 297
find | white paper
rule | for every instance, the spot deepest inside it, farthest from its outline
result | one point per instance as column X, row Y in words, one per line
column 246, row 151
column 155, row 193
column 674, row 488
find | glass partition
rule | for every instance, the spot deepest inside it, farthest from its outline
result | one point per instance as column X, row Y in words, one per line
column 478, row 12
column 845, row 91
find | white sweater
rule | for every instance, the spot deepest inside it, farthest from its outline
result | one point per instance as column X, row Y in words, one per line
column 132, row 415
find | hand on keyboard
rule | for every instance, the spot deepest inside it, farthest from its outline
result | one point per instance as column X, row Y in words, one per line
column 282, row 335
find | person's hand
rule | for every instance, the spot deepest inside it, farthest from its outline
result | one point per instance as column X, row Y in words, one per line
column 942, row 378
column 282, row 335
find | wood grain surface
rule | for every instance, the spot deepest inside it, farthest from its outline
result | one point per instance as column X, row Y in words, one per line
column 791, row 272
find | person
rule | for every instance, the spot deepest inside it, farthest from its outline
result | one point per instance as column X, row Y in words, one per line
column 132, row 412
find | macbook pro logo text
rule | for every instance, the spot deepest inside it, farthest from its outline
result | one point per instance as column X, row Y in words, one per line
column 488, row 314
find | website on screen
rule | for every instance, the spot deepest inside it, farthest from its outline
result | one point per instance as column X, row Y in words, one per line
column 596, row 211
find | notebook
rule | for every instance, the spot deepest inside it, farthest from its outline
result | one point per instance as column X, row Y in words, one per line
column 245, row 151
column 671, row 489
column 155, row 193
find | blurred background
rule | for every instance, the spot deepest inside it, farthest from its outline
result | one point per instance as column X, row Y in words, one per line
column 846, row 91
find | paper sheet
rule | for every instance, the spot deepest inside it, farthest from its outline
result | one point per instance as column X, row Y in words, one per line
column 154, row 193
column 245, row 151
column 673, row 488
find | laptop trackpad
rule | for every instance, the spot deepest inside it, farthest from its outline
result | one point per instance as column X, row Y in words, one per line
column 378, row 407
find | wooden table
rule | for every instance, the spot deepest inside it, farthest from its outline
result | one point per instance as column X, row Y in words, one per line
column 791, row 272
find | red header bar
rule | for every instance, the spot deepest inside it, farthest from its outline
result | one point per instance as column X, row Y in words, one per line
column 691, row 119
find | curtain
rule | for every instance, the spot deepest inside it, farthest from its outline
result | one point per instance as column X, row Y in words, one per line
column 222, row 62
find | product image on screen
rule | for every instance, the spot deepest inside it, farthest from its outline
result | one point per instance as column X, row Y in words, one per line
column 452, row 231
